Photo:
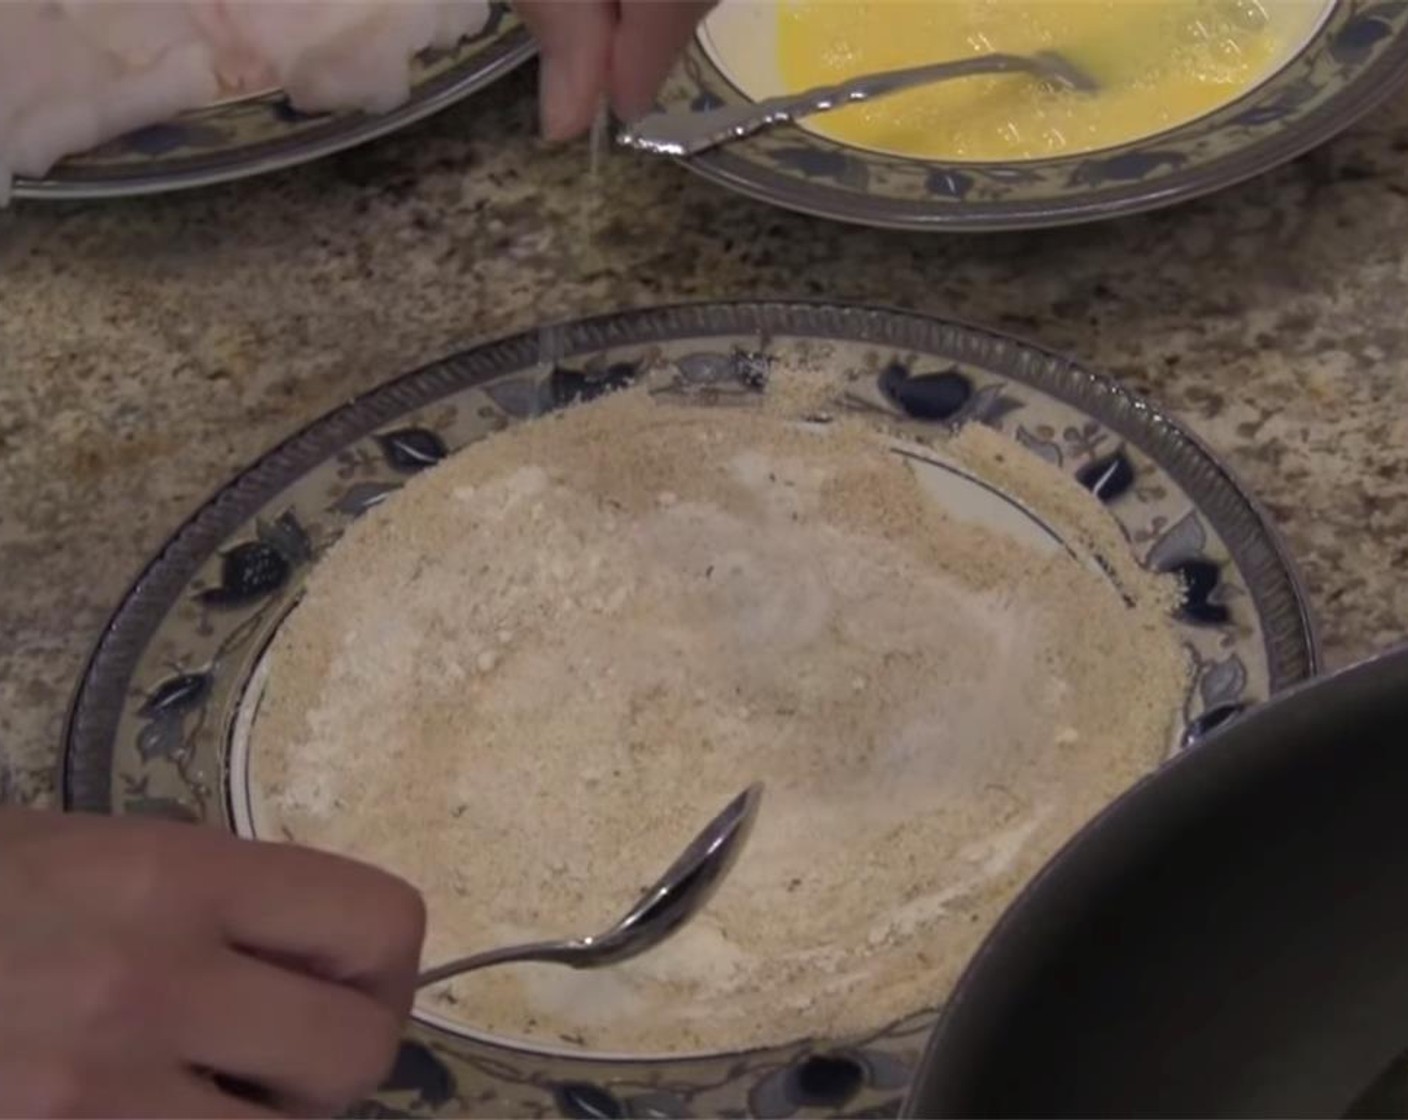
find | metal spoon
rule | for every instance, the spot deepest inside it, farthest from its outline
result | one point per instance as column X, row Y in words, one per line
column 683, row 134
column 676, row 897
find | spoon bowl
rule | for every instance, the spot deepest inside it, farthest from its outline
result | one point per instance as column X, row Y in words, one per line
column 674, row 898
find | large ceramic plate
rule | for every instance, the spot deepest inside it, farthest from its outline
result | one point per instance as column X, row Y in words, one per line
column 1356, row 58
column 253, row 135
column 153, row 723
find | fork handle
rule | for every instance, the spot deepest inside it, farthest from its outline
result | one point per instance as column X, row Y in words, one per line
column 683, row 134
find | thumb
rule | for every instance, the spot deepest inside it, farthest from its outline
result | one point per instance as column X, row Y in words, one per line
column 574, row 41
column 650, row 38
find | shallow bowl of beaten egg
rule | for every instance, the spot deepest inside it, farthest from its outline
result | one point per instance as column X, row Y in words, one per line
column 1195, row 95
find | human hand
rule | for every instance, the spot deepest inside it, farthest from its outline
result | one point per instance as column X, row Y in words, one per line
column 139, row 958
column 618, row 49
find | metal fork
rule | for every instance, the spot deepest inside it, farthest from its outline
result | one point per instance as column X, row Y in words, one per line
column 684, row 133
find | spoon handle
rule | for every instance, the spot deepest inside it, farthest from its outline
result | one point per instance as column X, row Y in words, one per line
column 556, row 952
column 685, row 133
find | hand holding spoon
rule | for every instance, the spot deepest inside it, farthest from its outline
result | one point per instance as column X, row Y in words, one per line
column 672, row 901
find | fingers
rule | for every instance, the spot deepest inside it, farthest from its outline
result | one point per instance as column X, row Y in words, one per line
column 594, row 48
column 331, row 916
column 132, row 953
column 38, row 1084
column 574, row 44
column 650, row 37
column 315, row 1046
column 192, row 1097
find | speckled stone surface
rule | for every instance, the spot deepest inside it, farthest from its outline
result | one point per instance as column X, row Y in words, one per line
column 150, row 349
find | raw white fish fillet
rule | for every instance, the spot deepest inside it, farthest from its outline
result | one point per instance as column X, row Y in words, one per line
column 136, row 32
column 76, row 73
column 80, row 118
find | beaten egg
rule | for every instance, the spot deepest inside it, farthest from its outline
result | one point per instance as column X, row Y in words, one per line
column 1160, row 64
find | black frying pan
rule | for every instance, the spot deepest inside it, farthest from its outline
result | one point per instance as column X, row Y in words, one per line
column 1228, row 939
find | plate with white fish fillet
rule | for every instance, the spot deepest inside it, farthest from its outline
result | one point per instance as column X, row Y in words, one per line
column 515, row 624
column 113, row 98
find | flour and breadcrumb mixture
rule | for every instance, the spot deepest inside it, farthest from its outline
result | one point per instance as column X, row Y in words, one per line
column 526, row 681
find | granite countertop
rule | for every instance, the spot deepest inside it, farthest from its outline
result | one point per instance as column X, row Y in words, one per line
column 150, row 349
